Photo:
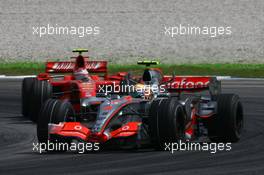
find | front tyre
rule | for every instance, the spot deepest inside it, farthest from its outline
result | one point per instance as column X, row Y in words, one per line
column 53, row 111
column 167, row 122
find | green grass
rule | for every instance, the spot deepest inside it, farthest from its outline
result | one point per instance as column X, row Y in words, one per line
column 237, row 70
column 21, row 68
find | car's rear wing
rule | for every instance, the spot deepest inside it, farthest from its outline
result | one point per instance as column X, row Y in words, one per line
column 68, row 66
column 192, row 84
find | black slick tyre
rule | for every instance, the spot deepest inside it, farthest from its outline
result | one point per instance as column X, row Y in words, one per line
column 167, row 122
column 41, row 91
column 227, row 124
column 26, row 92
column 53, row 111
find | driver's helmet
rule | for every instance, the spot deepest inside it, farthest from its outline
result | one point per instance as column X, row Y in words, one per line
column 80, row 72
column 152, row 76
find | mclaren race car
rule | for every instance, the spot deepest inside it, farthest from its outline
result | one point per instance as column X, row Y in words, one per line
column 160, row 109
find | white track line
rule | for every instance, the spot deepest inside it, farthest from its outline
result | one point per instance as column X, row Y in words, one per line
column 15, row 77
column 235, row 78
column 223, row 77
column 25, row 76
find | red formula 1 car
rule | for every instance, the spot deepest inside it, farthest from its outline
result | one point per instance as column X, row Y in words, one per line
column 72, row 80
column 160, row 109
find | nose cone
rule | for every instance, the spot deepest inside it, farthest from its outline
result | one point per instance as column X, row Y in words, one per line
column 70, row 129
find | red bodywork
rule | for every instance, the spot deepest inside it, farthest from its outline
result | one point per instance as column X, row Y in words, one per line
column 77, row 89
column 69, row 88
column 79, row 131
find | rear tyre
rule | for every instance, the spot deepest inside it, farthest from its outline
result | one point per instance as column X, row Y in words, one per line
column 167, row 122
column 227, row 124
column 41, row 91
column 26, row 94
column 53, row 111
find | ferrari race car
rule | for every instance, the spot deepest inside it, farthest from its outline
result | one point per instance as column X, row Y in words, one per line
column 160, row 109
column 70, row 80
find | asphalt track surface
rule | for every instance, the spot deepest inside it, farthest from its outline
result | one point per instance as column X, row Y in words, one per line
column 17, row 135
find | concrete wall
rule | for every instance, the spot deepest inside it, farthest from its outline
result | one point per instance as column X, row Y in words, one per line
column 132, row 29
